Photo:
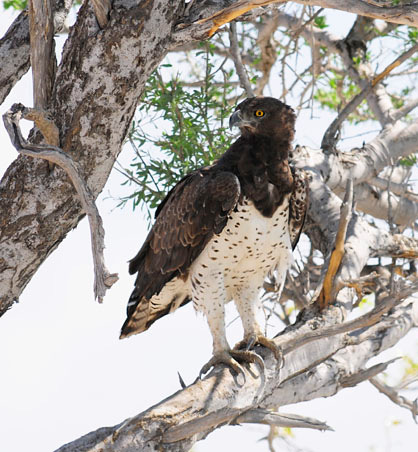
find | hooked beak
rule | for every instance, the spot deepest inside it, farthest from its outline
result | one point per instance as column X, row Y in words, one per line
column 235, row 119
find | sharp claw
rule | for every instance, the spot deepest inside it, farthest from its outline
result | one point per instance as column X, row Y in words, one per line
column 262, row 340
column 231, row 358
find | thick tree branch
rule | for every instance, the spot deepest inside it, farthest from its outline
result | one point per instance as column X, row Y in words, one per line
column 319, row 369
column 403, row 14
column 92, row 106
column 375, row 201
column 15, row 47
column 361, row 164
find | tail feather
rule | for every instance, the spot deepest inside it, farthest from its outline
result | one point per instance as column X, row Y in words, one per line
column 143, row 310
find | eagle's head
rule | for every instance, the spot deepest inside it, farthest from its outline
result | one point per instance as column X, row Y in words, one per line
column 264, row 116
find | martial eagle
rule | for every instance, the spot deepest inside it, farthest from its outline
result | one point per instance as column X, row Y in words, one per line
column 222, row 229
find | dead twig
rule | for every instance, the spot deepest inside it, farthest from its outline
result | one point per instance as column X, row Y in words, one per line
column 103, row 280
column 396, row 397
column 262, row 416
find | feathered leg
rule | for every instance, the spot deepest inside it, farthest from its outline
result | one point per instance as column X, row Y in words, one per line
column 211, row 301
column 247, row 303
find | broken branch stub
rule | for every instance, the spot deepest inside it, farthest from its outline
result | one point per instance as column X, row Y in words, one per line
column 103, row 280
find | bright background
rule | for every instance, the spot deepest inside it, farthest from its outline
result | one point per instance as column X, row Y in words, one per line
column 64, row 372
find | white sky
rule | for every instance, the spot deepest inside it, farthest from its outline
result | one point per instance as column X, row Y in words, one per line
column 64, row 372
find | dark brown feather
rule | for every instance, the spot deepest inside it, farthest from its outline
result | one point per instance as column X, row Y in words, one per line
column 298, row 205
column 194, row 210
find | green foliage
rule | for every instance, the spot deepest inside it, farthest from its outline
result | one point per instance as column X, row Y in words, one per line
column 320, row 22
column 18, row 5
column 191, row 125
column 410, row 160
column 337, row 92
column 413, row 34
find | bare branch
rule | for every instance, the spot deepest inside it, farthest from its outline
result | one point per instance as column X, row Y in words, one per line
column 190, row 414
column 15, row 47
column 260, row 416
column 376, row 202
column 236, row 57
column 43, row 59
column 103, row 280
column 206, row 27
column 407, row 108
column 366, row 374
column 396, row 397
column 328, row 289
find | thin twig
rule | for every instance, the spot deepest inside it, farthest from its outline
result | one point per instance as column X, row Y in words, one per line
column 103, row 280
column 396, row 397
column 236, row 57
column 262, row 416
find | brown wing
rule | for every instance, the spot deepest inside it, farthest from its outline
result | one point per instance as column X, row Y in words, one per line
column 194, row 210
column 298, row 204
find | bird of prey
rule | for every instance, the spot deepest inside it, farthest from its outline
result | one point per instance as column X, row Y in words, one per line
column 221, row 230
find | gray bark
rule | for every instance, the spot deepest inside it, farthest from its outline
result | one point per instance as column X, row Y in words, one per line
column 319, row 368
column 97, row 88
column 15, row 47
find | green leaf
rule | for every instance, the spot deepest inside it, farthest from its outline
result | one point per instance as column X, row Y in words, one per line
column 320, row 22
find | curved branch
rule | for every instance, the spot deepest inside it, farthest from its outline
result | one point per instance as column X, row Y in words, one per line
column 103, row 280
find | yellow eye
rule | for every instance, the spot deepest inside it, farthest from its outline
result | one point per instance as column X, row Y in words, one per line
column 259, row 113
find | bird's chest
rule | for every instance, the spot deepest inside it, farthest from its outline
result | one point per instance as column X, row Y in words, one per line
column 251, row 243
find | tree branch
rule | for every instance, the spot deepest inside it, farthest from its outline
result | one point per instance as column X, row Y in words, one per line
column 190, row 414
column 15, row 46
column 328, row 289
column 236, row 58
column 103, row 280
column 329, row 139
column 396, row 397
column 43, row 59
